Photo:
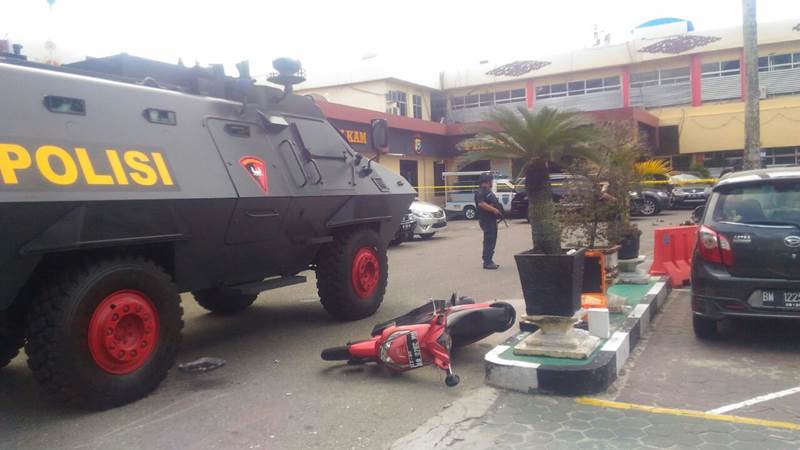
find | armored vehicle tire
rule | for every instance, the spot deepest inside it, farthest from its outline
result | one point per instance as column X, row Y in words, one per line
column 105, row 333
column 352, row 273
column 11, row 340
column 224, row 301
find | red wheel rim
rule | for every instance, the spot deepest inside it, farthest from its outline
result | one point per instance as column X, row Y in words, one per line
column 366, row 272
column 123, row 332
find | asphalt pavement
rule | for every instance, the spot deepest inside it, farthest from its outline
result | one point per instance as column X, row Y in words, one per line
column 275, row 391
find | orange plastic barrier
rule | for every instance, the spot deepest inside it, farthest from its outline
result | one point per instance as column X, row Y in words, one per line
column 594, row 291
column 672, row 253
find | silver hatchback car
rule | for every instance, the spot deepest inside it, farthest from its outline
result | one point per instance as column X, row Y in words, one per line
column 430, row 218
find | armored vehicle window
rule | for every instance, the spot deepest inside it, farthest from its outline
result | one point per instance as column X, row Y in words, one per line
column 237, row 130
column 319, row 138
column 65, row 105
column 160, row 116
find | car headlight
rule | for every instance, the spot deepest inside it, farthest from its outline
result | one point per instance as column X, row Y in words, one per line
column 425, row 215
column 661, row 194
column 677, row 191
column 707, row 191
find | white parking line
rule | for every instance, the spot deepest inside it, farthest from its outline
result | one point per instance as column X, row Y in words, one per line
column 753, row 401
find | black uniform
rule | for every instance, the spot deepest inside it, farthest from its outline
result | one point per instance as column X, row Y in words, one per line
column 488, row 222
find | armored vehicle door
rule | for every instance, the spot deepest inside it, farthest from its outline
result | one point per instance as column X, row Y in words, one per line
column 326, row 152
column 262, row 201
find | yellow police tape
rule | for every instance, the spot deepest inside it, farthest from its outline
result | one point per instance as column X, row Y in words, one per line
column 649, row 183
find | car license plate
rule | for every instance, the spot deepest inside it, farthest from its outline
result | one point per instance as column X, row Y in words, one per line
column 781, row 299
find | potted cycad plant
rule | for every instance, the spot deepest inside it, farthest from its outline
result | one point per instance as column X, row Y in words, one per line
column 551, row 276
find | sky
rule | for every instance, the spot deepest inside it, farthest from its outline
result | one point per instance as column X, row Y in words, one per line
column 410, row 39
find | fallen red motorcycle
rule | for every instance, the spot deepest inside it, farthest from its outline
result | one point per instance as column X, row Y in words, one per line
column 425, row 335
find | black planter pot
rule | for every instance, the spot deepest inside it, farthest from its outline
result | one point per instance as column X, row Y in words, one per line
column 551, row 284
column 629, row 247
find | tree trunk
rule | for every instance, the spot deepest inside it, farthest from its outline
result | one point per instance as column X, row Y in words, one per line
column 545, row 229
column 752, row 144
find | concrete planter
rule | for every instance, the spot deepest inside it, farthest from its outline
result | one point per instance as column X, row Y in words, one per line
column 551, row 284
column 629, row 247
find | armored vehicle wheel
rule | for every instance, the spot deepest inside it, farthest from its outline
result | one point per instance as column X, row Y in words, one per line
column 106, row 333
column 352, row 273
column 12, row 338
column 223, row 301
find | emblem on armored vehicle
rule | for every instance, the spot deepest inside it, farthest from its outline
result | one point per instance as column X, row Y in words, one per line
column 257, row 169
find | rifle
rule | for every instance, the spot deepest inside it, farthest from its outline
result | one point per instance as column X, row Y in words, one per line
column 502, row 217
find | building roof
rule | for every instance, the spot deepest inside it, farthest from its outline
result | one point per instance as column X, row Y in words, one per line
column 627, row 53
column 360, row 115
column 307, row 86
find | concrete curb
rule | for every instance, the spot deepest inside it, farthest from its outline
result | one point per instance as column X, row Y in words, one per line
column 591, row 378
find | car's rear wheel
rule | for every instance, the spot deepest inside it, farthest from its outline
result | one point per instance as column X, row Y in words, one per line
column 470, row 213
column 224, row 301
column 704, row 328
column 104, row 334
column 352, row 273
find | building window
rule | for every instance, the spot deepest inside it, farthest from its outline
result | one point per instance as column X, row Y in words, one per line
column 408, row 170
column 720, row 69
column 669, row 140
column 579, row 87
column 661, row 77
column 779, row 62
column 786, row 156
column 417, row 106
column 396, row 103
column 487, row 99
column 730, row 158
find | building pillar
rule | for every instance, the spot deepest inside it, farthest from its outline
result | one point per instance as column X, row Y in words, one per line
column 626, row 87
column 742, row 78
column 695, row 75
column 529, row 94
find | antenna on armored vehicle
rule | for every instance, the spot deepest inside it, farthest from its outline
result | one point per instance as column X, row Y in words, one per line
column 289, row 72
column 244, row 82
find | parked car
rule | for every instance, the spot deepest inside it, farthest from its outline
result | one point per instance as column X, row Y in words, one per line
column 405, row 232
column 648, row 202
column 747, row 259
column 683, row 189
column 430, row 219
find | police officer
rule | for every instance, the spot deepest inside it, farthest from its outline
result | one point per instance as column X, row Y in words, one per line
column 489, row 210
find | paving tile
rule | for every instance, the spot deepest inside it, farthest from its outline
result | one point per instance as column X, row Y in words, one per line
column 628, row 432
column 749, row 436
column 599, row 433
column 658, row 441
column 713, row 437
column 577, row 425
column 568, row 436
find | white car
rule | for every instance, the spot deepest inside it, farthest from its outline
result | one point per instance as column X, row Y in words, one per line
column 430, row 219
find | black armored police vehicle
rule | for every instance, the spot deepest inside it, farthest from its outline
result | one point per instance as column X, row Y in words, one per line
column 117, row 193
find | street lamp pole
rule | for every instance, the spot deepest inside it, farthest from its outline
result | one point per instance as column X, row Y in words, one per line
column 752, row 133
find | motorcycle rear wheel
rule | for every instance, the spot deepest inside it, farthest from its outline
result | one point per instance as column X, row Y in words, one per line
column 336, row 354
